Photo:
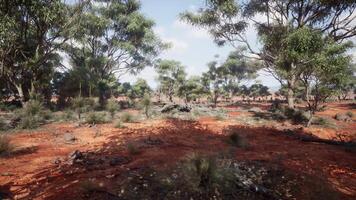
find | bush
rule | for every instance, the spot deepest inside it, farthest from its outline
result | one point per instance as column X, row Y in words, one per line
column 5, row 145
column 146, row 104
column 132, row 149
column 342, row 117
column 297, row 116
column 67, row 115
column 32, row 115
column 119, row 124
column 112, row 107
column 95, row 118
column 321, row 121
column 126, row 117
column 78, row 105
column 350, row 114
column 3, row 124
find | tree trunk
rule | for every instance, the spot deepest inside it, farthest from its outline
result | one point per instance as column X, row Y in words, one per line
column 290, row 92
column 20, row 93
column 310, row 119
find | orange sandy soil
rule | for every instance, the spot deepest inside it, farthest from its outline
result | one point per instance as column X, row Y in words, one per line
column 32, row 174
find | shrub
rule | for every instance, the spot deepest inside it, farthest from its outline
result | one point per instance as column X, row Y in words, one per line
column 3, row 124
column 95, row 118
column 126, row 117
column 32, row 115
column 146, row 104
column 67, row 115
column 119, row 124
column 5, row 145
column 342, row 117
column 132, row 149
column 350, row 114
column 112, row 107
column 321, row 121
column 78, row 105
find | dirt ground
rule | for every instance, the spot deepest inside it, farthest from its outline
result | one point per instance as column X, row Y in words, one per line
column 39, row 167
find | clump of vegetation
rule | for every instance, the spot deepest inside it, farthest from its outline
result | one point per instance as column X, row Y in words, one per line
column 67, row 115
column 321, row 121
column 95, row 118
column 5, row 145
column 126, row 117
column 3, row 124
column 146, row 104
column 119, row 124
column 79, row 106
column 112, row 107
column 350, row 114
column 32, row 115
column 342, row 117
column 132, row 149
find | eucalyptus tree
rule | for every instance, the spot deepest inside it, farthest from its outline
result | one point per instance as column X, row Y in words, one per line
column 114, row 38
column 229, row 20
column 191, row 89
column 171, row 76
column 31, row 34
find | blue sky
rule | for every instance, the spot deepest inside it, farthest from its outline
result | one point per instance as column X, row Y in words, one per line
column 193, row 47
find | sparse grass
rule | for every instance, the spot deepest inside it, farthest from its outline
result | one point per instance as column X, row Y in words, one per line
column 5, row 145
column 132, row 149
column 127, row 117
column 95, row 118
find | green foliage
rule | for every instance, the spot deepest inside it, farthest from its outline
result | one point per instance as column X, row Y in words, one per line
column 5, row 145
column 95, row 118
column 32, row 115
column 112, row 107
column 171, row 75
column 67, row 115
column 126, row 117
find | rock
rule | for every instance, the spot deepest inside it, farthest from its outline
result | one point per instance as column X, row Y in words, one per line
column 68, row 137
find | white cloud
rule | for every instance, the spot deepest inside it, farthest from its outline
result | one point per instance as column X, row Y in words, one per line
column 190, row 30
column 177, row 45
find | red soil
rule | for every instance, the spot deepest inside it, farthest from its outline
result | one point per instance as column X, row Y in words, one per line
column 32, row 174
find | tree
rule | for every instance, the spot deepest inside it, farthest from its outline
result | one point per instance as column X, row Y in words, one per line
column 191, row 89
column 31, row 33
column 258, row 90
column 114, row 38
column 228, row 20
column 139, row 89
column 171, row 75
